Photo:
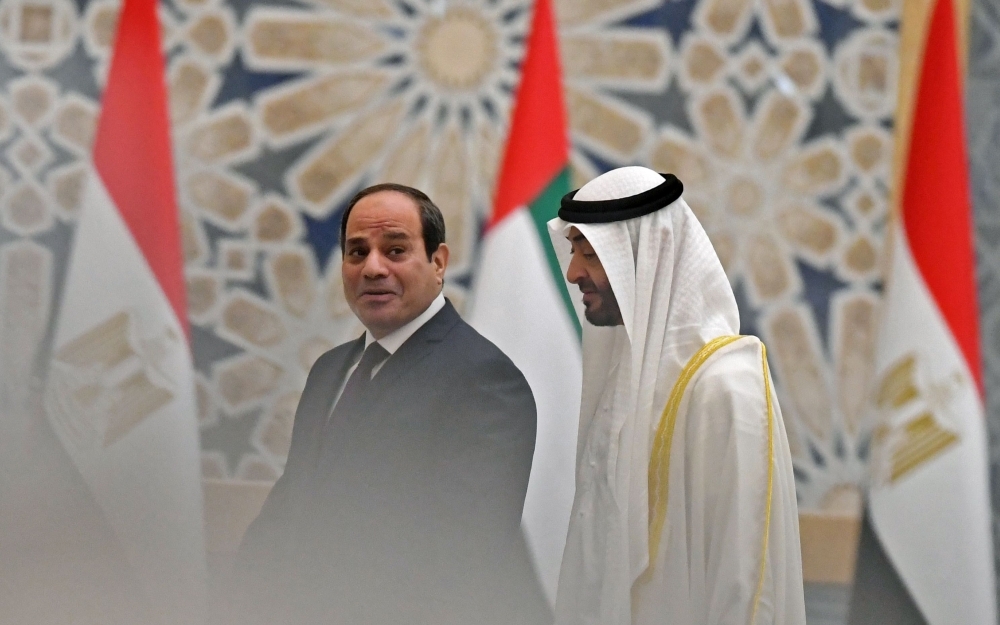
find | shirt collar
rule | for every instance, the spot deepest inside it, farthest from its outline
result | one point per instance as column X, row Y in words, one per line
column 395, row 339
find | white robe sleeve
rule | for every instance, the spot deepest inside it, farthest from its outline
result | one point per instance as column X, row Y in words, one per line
column 729, row 447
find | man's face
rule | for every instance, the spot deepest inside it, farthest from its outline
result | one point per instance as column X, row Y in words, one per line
column 586, row 271
column 388, row 280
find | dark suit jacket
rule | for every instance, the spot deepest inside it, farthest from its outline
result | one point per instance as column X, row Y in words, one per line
column 408, row 510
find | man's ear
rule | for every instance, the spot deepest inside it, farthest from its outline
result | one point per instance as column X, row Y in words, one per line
column 440, row 261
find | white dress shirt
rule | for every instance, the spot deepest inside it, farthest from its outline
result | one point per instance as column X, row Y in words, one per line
column 394, row 340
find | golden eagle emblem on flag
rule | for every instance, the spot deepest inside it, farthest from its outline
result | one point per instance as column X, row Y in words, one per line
column 914, row 420
column 108, row 380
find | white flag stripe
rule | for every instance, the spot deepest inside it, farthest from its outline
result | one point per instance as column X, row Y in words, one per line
column 934, row 521
column 517, row 306
column 137, row 448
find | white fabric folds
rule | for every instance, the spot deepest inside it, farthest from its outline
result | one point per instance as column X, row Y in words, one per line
column 674, row 298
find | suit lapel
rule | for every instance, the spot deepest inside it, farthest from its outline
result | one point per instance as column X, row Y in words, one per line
column 327, row 393
column 415, row 349
column 330, row 441
column 404, row 361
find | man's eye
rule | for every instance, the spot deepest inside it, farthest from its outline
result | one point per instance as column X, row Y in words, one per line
column 396, row 251
column 356, row 252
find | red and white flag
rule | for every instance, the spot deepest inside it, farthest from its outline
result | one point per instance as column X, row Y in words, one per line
column 120, row 390
column 929, row 498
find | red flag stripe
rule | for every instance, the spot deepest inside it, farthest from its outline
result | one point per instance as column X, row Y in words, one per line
column 936, row 206
column 537, row 147
column 132, row 150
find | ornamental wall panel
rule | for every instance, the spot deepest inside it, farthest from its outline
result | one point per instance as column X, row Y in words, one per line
column 777, row 115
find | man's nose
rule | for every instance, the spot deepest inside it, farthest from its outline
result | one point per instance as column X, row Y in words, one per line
column 375, row 266
column 575, row 271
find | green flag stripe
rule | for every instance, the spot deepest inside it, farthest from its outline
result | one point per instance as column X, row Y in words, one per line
column 542, row 209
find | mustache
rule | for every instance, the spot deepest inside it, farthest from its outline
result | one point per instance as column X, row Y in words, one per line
column 377, row 286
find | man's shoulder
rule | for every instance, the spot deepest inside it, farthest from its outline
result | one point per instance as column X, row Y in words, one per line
column 462, row 346
column 484, row 374
column 472, row 356
column 337, row 355
column 731, row 368
column 467, row 343
column 728, row 390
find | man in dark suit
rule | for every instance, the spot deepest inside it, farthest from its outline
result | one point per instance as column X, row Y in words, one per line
column 401, row 498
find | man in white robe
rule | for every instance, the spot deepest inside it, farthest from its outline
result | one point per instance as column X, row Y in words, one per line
column 685, row 509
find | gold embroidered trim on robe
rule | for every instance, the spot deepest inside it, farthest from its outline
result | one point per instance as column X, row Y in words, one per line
column 770, row 483
column 659, row 460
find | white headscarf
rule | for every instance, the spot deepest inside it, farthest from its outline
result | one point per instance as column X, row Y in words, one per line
column 674, row 298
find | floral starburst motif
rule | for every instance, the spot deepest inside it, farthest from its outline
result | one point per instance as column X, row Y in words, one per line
column 419, row 93
column 390, row 98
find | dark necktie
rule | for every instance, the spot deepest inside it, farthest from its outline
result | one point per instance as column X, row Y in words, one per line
column 361, row 379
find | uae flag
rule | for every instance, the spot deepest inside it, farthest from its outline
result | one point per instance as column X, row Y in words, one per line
column 929, row 501
column 120, row 388
column 521, row 302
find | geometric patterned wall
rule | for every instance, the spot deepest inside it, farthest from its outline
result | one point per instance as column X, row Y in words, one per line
column 776, row 114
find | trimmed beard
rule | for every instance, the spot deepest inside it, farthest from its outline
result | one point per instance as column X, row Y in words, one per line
column 608, row 314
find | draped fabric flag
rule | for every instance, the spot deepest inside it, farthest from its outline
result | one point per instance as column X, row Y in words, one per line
column 929, row 499
column 120, row 389
column 520, row 300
